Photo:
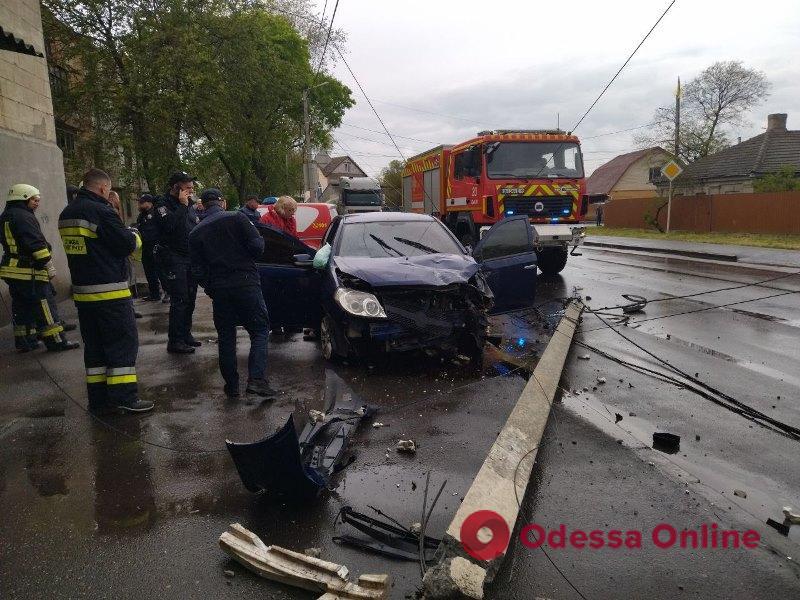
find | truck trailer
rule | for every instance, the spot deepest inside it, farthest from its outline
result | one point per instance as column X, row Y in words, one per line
column 472, row 185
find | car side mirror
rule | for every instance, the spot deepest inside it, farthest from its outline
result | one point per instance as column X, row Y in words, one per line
column 303, row 260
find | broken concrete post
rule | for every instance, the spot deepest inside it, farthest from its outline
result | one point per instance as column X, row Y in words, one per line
column 503, row 477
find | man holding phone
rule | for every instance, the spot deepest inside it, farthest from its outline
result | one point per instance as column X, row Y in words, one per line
column 174, row 221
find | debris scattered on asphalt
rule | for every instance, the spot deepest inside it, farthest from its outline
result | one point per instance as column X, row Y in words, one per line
column 781, row 528
column 229, row 573
column 791, row 516
column 313, row 552
column 384, row 537
column 740, row 493
column 301, row 466
column 668, row 443
column 637, row 304
column 316, row 416
column 406, row 446
column 584, row 357
column 696, row 438
column 378, row 425
column 617, row 418
column 296, row 569
column 631, row 414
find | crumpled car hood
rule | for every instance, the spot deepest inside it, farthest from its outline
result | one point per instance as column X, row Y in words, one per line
column 436, row 270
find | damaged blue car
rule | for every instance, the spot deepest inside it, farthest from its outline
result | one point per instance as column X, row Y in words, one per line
column 397, row 282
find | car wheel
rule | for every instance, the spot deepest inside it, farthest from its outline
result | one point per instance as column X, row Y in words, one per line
column 327, row 338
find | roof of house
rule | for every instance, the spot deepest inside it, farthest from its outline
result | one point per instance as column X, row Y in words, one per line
column 606, row 176
column 762, row 154
column 336, row 162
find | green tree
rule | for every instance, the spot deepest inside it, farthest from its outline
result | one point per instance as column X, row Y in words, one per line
column 784, row 179
column 214, row 85
column 391, row 179
column 719, row 97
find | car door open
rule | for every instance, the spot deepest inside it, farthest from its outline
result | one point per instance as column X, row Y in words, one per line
column 288, row 280
column 508, row 261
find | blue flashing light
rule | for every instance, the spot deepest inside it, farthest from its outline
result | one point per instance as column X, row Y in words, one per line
column 555, row 220
column 521, row 342
column 509, row 212
column 565, row 211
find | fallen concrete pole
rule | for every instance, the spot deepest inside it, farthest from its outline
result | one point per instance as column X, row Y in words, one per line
column 503, row 477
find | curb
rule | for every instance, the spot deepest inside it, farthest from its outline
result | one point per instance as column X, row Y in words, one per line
column 511, row 457
column 689, row 253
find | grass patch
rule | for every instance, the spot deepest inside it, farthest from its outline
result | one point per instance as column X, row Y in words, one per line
column 761, row 240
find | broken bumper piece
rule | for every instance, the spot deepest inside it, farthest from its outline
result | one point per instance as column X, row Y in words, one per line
column 297, row 569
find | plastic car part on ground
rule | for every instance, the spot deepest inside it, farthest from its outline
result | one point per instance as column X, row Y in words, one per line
column 299, row 570
column 386, row 539
column 300, row 467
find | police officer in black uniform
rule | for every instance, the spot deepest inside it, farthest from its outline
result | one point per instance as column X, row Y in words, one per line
column 24, row 267
column 224, row 249
column 175, row 220
column 148, row 229
column 98, row 246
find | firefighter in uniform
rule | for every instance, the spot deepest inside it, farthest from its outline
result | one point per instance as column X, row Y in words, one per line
column 97, row 246
column 175, row 220
column 24, row 267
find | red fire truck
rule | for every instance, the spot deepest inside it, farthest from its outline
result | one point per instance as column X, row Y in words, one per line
column 474, row 184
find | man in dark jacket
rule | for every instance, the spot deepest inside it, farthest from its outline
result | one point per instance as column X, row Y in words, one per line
column 249, row 209
column 174, row 221
column 224, row 248
column 148, row 230
column 98, row 246
column 24, row 267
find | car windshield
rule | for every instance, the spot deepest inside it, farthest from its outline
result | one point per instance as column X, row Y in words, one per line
column 396, row 238
column 366, row 198
column 525, row 160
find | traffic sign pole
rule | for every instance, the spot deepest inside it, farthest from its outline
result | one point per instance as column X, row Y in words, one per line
column 669, row 205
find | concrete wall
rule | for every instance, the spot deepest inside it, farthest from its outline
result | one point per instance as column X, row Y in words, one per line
column 775, row 213
column 28, row 150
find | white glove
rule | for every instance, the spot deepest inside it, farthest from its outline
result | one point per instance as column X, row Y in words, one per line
column 51, row 269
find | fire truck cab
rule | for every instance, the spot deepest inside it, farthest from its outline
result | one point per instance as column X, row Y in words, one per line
column 472, row 185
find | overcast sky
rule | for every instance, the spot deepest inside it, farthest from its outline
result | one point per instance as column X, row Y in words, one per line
column 518, row 64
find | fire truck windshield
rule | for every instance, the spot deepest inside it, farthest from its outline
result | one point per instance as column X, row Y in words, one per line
column 529, row 160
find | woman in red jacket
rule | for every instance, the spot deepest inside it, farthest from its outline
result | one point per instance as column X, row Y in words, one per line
column 281, row 215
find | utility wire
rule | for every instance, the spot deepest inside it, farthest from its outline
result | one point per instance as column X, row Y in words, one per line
column 327, row 37
column 635, row 50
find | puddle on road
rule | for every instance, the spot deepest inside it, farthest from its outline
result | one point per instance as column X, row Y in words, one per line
column 712, row 477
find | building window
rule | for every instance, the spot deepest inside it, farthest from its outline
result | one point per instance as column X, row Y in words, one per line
column 58, row 80
column 65, row 138
column 654, row 175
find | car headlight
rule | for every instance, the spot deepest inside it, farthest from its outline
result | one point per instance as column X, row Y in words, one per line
column 360, row 304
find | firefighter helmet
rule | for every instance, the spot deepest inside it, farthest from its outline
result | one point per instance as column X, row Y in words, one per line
column 22, row 191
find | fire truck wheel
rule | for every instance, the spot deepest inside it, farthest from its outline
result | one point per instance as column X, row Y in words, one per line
column 551, row 260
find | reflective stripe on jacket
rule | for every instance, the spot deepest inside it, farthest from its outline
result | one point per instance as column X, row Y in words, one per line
column 97, row 245
column 25, row 250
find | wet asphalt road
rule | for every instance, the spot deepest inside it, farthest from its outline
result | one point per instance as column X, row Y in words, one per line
column 92, row 511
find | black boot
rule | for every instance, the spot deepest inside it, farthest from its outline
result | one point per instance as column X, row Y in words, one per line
column 137, row 406
column 190, row 341
column 60, row 344
column 260, row 387
column 179, row 348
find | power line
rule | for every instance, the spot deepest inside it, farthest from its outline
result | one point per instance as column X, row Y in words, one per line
column 366, row 97
column 635, row 50
column 592, row 137
column 430, row 112
column 405, row 137
column 327, row 37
